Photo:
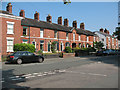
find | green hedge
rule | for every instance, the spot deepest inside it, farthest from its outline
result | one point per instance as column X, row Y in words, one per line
column 68, row 49
column 24, row 47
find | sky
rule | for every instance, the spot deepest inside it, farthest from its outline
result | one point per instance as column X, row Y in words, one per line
column 95, row 15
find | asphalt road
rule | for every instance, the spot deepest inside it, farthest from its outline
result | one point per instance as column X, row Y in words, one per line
column 77, row 72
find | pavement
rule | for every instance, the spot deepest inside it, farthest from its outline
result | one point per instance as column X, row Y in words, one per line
column 76, row 72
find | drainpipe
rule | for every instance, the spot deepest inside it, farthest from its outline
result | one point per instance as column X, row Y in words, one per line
column 58, row 41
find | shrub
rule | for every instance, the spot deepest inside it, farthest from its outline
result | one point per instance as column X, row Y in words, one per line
column 68, row 49
column 53, row 47
column 40, row 52
column 74, row 49
column 24, row 47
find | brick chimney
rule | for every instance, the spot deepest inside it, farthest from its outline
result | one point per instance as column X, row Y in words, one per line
column 66, row 22
column 49, row 18
column 9, row 8
column 82, row 26
column 106, row 31
column 22, row 13
column 36, row 15
column 101, row 30
column 60, row 20
column 74, row 24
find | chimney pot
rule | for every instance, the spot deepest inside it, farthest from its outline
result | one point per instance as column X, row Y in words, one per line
column 22, row 13
column 49, row 18
column 82, row 26
column 75, row 24
column 9, row 8
column 66, row 22
column 101, row 30
column 36, row 15
column 60, row 20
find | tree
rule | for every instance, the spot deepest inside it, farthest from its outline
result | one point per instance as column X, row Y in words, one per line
column 117, row 33
column 53, row 47
column 98, row 45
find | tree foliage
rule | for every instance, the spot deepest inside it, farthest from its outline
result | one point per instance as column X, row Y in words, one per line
column 24, row 47
column 98, row 45
column 117, row 33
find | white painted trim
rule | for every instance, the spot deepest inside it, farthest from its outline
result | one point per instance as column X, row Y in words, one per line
column 56, row 39
column 11, row 16
column 10, row 22
column 10, row 38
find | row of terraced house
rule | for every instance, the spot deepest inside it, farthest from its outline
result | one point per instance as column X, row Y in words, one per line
column 19, row 29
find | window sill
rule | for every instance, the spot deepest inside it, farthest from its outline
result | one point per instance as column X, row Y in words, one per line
column 10, row 33
column 9, row 51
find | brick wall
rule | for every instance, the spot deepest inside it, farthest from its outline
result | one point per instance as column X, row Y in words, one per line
column 16, row 35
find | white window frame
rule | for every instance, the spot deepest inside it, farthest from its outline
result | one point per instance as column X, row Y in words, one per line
column 94, row 39
column 12, row 23
column 41, row 31
column 87, row 39
column 24, row 42
column 35, row 43
column 10, row 38
column 79, row 37
column 73, row 36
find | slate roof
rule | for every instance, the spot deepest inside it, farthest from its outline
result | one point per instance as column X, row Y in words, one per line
column 5, row 12
column 53, row 26
column 46, row 25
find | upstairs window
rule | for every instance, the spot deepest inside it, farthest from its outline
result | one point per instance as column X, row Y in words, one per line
column 67, row 36
column 41, row 33
column 74, row 36
column 55, row 34
column 79, row 38
column 87, row 38
column 94, row 39
column 24, row 31
column 10, row 27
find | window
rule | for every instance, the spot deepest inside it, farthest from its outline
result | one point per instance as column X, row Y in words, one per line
column 41, row 45
column 9, row 45
column 87, row 38
column 74, row 36
column 24, row 54
column 79, row 37
column 34, row 43
column 24, row 31
column 94, row 39
column 67, row 36
column 29, row 53
column 55, row 34
column 41, row 33
column 113, row 40
column 10, row 27
column 102, row 39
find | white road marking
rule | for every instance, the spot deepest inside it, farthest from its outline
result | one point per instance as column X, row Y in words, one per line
column 35, row 73
column 88, row 73
column 39, row 75
column 2, row 81
column 62, row 70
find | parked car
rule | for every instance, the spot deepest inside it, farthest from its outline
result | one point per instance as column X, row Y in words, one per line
column 20, row 57
column 99, row 53
column 109, row 52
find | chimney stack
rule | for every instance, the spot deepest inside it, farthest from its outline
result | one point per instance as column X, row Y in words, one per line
column 60, row 20
column 36, row 15
column 82, row 26
column 106, row 31
column 101, row 30
column 49, row 18
column 74, row 24
column 22, row 13
column 66, row 22
column 9, row 8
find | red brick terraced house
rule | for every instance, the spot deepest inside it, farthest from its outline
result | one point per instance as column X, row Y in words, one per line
column 19, row 29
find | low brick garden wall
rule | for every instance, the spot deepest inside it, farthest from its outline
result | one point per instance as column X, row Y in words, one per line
column 66, row 55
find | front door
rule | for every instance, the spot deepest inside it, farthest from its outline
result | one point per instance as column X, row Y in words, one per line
column 48, row 47
column 73, row 45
